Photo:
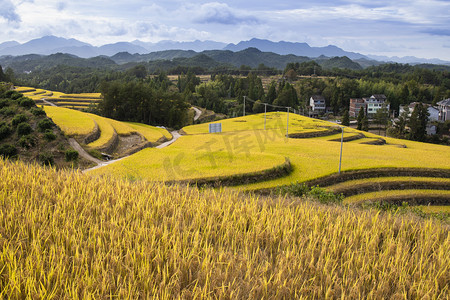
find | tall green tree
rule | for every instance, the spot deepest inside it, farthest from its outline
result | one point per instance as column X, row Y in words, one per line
column 381, row 118
column 359, row 121
column 346, row 118
column 418, row 123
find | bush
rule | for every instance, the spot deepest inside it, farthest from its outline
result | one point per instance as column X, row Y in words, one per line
column 20, row 118
column 45, row 124
column 71, row 155
column 5, row 130
column 323, row 196
column 24, row 129
column 26, row 102
column 8, row 151
column 37, row 111
column 4, row 103
column 27, row 142
column 13, row 95
column 46, row 159
column 7, row 111
column 49, row 135
column 295, row 189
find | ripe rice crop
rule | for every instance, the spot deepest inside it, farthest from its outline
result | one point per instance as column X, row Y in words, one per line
column 107, row 132
column 207, row 158
column 64, row 235
column 151, row 133
column 71, row 122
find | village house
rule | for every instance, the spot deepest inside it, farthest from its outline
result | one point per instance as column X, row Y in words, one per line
column 374, row 103
column 317, row 104
column 444, row 110
column 432, row 111
column 371, row 105
column 355, row 106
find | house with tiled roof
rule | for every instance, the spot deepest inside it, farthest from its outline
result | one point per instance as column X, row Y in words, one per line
column 444, row 110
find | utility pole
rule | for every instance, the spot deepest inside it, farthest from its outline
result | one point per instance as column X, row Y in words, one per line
column 340, row 157
column 287, row 123
column 244, row 106
column 265, row 110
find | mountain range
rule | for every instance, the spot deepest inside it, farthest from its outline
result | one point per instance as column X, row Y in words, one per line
column 50, row 45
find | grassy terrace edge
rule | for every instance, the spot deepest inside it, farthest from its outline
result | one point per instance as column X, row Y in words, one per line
column 397, row 197
column 354, row 187
column 239, row 179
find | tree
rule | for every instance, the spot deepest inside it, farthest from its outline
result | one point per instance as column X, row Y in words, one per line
column 2, row 75
column 272, row 92
column 346, row 118
column 365, row 124
column 361, row 115
column 418, row 123
column 381, row 118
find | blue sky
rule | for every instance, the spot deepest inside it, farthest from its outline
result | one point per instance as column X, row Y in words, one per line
column 394, row 28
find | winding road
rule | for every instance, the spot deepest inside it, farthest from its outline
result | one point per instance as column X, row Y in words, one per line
column 198, row 113
column 100, row 163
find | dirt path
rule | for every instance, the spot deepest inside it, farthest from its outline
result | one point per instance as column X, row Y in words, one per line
column 198, row 113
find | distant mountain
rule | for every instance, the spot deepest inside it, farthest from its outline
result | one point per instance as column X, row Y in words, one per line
column 45, row 45
column 51, row 44
column 8, row 45
column 197, row 46
column 300, row 49
column 409, row 60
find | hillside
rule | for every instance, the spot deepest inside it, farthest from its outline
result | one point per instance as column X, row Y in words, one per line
column 27, row 134
column 64, row 235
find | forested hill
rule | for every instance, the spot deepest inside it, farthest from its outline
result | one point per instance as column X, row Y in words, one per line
column 165, row 60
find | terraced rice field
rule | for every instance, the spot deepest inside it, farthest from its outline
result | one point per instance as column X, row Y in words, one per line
column 72, row 122
column 80, row 125
column 77, row 101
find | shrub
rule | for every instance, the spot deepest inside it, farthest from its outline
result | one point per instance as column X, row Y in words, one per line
column 71, row 155
column 4, row 103
column 26, row 102
column 27, row 141
column 49, row 135
column 13, row 95
column 7, row 111
column 7, row 151
column 46, row 159
column 323, row 196
column 45, row 124
column 295, row 189
column 37, row 111
column 5, row 130
column 24, row 129
column 20, row 118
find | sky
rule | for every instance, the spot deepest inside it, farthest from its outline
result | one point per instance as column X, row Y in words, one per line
column 418, row 28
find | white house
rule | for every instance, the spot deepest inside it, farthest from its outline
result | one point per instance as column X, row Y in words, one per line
column 432, row 111
column 317, row 103
column 374, row 103
column 444, row 110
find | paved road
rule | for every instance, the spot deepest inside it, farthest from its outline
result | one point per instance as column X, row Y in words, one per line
column 198, row 113
column 48, row 102
column 175, row 135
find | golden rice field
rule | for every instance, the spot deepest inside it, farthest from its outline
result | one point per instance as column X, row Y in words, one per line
column 310, row 157
column 76, row 123
column 62, row 99
column 72, row 122
column 191, row 158
column 64, row 235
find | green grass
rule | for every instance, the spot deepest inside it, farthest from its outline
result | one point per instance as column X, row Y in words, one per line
column 386, row 195
column 380, row 180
